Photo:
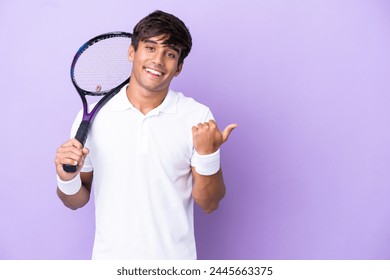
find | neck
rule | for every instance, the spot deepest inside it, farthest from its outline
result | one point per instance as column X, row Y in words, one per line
column 143, row 99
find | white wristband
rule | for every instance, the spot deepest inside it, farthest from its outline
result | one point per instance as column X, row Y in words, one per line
column 69, row 187
column 206, row 164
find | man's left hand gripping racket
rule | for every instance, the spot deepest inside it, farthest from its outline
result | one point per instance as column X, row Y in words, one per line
column 100, row 68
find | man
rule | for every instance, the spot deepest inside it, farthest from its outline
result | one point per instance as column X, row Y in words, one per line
column 150, row 153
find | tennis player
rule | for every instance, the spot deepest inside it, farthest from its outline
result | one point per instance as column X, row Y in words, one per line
column 150, row 154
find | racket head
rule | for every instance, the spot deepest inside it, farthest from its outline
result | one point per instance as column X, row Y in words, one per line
column 101, row 64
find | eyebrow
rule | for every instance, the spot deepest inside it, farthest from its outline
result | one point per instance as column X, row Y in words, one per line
column 169, row 46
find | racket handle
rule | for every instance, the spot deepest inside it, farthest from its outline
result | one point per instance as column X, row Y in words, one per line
column 69, row 168
column 82, row 132
column 81, row 136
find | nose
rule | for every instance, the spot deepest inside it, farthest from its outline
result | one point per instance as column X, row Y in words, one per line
column 158, row 58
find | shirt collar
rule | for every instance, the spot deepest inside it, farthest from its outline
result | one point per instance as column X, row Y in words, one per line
column 120, row 102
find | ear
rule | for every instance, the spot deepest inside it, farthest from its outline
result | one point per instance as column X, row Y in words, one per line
column 179, row 68
column 131, row 53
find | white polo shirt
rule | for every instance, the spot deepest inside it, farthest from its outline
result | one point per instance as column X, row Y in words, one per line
column 142, row 178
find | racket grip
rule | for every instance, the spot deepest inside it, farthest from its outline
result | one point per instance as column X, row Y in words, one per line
column 69, row 168
column 81, row 136
column 82, row 132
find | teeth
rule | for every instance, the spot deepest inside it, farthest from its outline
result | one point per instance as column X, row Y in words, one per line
column 153, row 72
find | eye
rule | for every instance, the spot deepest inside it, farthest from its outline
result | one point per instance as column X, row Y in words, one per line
column 171, row 55
column 149, row 48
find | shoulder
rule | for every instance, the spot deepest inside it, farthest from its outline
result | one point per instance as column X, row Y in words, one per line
column 189, row 108
column 184, row 102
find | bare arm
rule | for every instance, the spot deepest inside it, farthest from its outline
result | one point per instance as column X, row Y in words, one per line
column 72, row 152
column 209, row 190
column 80, row 198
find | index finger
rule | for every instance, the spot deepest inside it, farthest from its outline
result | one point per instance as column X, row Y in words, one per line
column 73, row 142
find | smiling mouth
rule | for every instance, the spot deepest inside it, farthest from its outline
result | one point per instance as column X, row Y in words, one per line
column 153, row 72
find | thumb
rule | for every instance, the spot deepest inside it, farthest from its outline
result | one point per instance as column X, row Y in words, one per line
column 226, row 132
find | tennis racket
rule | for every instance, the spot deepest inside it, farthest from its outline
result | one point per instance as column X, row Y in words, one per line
column 100, row 68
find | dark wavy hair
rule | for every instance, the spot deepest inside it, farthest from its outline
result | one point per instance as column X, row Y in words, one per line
column 160, row 23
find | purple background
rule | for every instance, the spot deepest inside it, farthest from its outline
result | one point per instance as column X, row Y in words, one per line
column 308, row 168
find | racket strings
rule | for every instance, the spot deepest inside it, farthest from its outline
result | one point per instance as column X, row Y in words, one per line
column 103, row 65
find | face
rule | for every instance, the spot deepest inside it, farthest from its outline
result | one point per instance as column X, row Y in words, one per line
column 154, row 65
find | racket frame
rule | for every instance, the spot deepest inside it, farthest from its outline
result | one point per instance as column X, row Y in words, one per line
column 88, row 117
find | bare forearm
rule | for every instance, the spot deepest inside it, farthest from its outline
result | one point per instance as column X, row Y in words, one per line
column 76, row 200
column 80, row 198
column 207, row 138
column 208, row 190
